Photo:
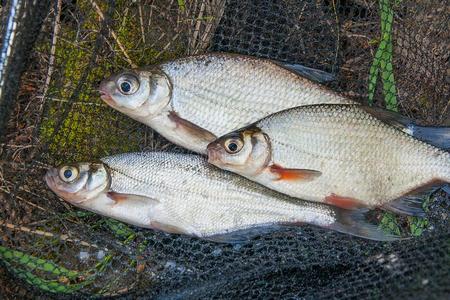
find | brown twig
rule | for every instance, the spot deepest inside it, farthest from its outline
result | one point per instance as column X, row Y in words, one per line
column 62, row 237
column 51, row 61
column 141, row 20
column 167, row 45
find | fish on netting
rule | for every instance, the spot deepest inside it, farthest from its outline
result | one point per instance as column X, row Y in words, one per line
column 338, row 154
column 183, row 194
column 191, row 101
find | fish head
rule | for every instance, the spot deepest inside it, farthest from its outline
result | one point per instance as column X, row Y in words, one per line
column 246, row 152
column 78, row 183
column 139, row 94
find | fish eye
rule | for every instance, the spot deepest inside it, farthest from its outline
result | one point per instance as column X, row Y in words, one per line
column 125, row 87
column 233, row 145
column 68, row 173
column 128, row 84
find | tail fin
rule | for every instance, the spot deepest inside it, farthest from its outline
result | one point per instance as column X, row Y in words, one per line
column 354, row 222
column 436, row 136
column 408, row 205
column 412, row 204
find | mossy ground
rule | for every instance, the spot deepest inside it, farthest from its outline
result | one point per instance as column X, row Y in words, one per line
column 89, row 128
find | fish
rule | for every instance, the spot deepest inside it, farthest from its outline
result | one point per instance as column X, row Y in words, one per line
column 193, row 100
column 339, row 154
column 183, row 194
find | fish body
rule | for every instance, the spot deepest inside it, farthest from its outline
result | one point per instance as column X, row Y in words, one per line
column 337, row 154
column 182, row 193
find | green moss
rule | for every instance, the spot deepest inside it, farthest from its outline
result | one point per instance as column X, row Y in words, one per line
column 417, row 225
column 390, row 224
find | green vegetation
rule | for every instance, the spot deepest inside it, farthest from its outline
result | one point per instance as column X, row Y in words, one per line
column 382, row 62
column 42, row 273
column 120, row 230
column 414, row 226
column 417, row 225
column 389, row 223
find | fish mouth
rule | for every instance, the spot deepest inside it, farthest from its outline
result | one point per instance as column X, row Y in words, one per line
column 105, row 97
column 105, row 94
column 213, row 151
column 49, row 178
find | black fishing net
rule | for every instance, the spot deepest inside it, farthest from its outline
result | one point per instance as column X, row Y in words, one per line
column 392, row 53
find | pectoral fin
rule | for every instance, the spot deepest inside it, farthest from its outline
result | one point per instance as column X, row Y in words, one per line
column 191, row 128
column 294, row 174
column 118, row 197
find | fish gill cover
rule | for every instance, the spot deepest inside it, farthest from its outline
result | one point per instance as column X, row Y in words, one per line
column 391, row 53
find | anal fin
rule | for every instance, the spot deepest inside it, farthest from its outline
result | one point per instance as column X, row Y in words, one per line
column 408, row 205
column 446, row 188
column 355, row 222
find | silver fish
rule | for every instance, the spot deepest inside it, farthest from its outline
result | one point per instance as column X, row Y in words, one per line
column 337, row 154
column 182, row 193
column 192, row 101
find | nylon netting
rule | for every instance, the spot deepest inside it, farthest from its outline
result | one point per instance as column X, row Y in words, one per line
column 392, row 53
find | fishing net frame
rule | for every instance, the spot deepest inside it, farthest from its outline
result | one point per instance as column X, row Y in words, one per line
column 390, row 53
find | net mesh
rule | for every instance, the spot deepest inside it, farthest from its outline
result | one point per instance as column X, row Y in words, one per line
column 390, row 53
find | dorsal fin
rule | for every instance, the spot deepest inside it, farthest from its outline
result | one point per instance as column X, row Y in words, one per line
column 436, row 136
column 390, row 117
column 308, row 73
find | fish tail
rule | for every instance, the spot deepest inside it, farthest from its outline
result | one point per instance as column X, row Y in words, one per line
column 355, row 222
column 436, row 136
